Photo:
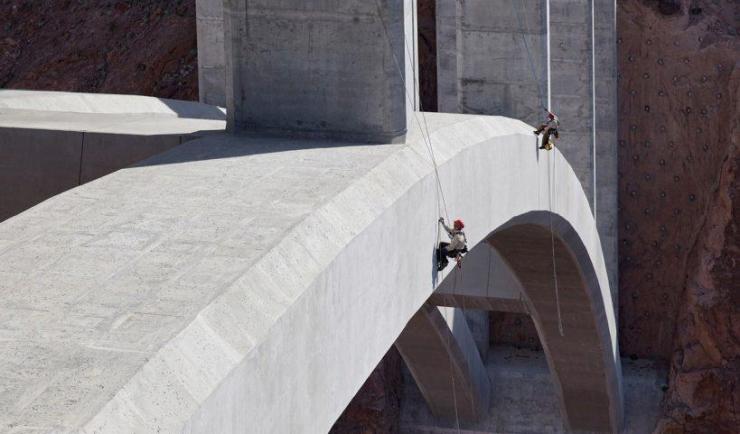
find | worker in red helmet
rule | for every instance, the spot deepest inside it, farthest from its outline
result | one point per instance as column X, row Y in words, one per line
column 550, row 129
column 457, row 246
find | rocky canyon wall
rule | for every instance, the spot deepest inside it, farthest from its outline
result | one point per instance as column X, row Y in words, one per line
column 109, row 46
column 678, row 132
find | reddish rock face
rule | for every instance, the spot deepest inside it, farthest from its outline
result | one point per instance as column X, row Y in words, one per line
column 133, row 47
column 679, row 284
column 704, row 389
column 677, row 104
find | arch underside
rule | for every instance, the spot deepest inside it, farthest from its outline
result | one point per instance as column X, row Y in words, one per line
column 569, row 320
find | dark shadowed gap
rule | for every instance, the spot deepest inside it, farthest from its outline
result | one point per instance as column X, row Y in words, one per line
column 427, row 33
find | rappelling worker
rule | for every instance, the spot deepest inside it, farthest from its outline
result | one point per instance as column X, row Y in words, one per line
column 457, row 246
column 550, row 129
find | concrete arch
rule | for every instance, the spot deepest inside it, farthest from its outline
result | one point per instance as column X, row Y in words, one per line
column 511, row 269
column 586, row 374
column 271, row 276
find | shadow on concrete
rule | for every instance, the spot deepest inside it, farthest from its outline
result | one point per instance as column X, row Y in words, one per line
column 194, row 110
column 215, row 146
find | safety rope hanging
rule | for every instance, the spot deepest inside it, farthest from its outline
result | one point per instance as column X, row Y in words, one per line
column 525, row 28
column 425, row 133
column 552, row 245
column 440, row 192
column 551, row 173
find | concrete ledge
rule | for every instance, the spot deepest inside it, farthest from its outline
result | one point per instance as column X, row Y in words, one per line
column 53, row 141
column 101, row 103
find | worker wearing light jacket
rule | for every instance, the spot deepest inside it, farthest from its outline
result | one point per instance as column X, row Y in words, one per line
column 550, row 129
column 457, row 246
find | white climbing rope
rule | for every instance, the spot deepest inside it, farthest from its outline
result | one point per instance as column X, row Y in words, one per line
column 524, row 29
column 424, row 131
column 440, row 191
column 551, row 174
column 552, row 245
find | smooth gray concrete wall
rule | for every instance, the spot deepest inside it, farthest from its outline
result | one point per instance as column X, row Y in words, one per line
column 484, row 67
column 321, row 68
column 211, row 62
column 571, row 85
column 492, row 57
column 105, row 153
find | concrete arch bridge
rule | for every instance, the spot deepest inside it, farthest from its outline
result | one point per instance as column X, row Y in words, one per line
column 251, row 284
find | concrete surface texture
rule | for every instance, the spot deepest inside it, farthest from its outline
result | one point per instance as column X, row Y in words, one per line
column 512, row 58
column 243, row 284
column 211, row 59
column 680, row 207
column 320, row 68
column 53, row 141
column 525, row 401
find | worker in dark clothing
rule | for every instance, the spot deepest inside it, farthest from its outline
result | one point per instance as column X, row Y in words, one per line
column 457, row 246
column 550, row 129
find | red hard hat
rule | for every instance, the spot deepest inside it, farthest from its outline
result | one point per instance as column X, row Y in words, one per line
column 459, row 224
column 551, row 115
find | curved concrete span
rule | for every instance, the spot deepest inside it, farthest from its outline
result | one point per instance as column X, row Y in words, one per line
column 241, row 284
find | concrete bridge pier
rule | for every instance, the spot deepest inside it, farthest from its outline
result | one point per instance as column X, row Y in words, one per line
column 321, row 68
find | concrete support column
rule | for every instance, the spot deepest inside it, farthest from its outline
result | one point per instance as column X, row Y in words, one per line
column 605, row 170
column 443, row 358
column 571, row 85
column 449, row 28
column 210, row 28
column 479, row 325
column 491, row 57
column 319, row 68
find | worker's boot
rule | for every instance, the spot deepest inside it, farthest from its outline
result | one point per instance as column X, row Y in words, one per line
column 441, row 264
